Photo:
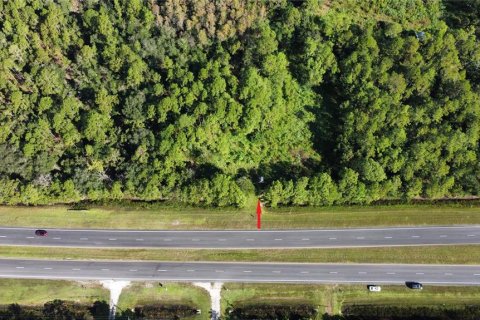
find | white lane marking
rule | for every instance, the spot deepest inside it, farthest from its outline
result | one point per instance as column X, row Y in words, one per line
column 30, row 237
column 222, row 239
column 415, row 236
column 190, row 270
column 419, row 273
column 276, row 271
column 359, row 238
column 332, row 238
column 247, row 271
column 139, row 239
column 162, row 270
column 219, row 271
column 3, row 236
column 47, row 268
column 249, row 239
column 133, row 270
column 112, row 239
column 76, row 269
column 471, row 235
column 304, row 272
column 305, row 239
column 390, row 272
column 83, row 238
column 443, row 236
column 105, row 269
column 448, row 274
column 476, row 274
column 278, row 239
column 20, row 267
column 362, row 272
column 167, row 239
column 387, row 237
column 57, row 238
column 333, row 272
column 195, row 239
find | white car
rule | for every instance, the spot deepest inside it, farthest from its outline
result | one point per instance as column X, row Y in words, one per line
column 373, row 288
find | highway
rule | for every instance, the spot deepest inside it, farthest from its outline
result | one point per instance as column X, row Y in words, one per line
column 241, row 272
column 235, row 239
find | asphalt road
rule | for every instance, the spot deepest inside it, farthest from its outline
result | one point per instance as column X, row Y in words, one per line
column 241, row 272
column 331, row 238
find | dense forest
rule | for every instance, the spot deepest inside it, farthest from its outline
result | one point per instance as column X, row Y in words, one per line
column 208, row 102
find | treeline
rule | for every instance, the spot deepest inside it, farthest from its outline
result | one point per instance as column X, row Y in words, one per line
column 208, row 102
column 99, row 310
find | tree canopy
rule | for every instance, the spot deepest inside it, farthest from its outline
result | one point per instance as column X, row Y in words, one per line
column 193, row 101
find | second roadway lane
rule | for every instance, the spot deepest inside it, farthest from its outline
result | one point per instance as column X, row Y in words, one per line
column 238, row 239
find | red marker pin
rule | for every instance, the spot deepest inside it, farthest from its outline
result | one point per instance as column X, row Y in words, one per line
column 259, row 214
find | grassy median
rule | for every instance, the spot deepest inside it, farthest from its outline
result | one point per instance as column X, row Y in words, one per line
column 463, row 254
column 228, row 218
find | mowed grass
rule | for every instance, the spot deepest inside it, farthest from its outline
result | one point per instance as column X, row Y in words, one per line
column 37, row 292
column 145, row 293
column 331, row 298
column 230, row 218
column 461, row 254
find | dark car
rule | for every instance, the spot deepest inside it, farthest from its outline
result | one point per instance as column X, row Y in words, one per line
column 414, row 285
column 41, row 233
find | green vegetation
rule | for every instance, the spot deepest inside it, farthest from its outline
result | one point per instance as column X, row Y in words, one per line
column 117, row 217
column 168, row 294
column 468, row 254
column 331, row 102
column 38, row 292
column 332, row 298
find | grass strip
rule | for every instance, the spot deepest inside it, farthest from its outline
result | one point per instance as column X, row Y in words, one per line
column 37, row 292
column 461, row 254
column 117, row 217
column 145, row 293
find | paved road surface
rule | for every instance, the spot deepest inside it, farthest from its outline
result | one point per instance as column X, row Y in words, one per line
column 242, row 272
column 331, row 238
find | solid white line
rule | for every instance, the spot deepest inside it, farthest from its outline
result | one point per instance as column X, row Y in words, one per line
column 76, row 269
column 388, row 237
column 3, row 236
column 19, row 267
column 162, row 270
column 278, row 239
column 415, row 236
column 305, row 239
column 443, row 236
column 112, row 239
column 47, row 268
column 304, row 272
column 105, row 269
column 362, row 272
column 476, row 274
column 222, row 239
column 133, row 270
column 359, row 238
column 276, row 271
column 30, row 237
column 219, row 271
column 139, row 239
column 390, row 272
column 167, row 239
column 190, row 270
column 250, row 239
column 471, row 235
column 333, row 272
column 247, row 271
column 419, row 273
column 57, row 238
column 332, row 238
column 195, row 239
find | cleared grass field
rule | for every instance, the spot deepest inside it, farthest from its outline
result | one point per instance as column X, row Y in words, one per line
column 37, row 292
column 468, row 254
column 330, row 298
column 144, row 293
column 228, row 218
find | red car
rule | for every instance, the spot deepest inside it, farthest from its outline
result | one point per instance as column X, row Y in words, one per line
column 41, row 233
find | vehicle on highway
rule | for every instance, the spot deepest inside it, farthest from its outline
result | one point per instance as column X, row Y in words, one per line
column 414, row 285
column 374, row 288
column 41, row 233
